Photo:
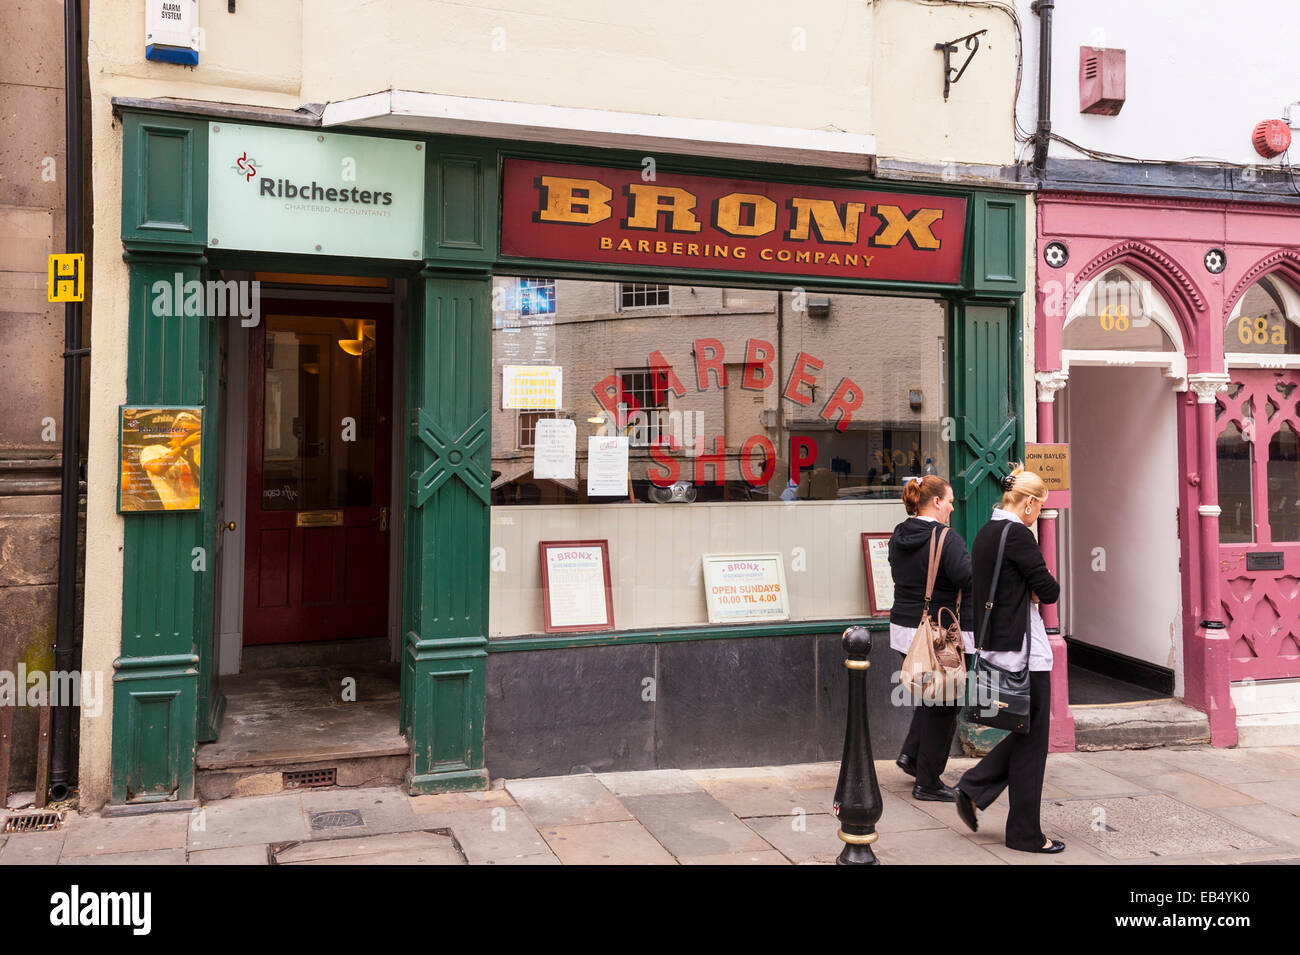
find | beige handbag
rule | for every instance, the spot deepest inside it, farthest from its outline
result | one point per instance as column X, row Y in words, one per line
column 934, row 669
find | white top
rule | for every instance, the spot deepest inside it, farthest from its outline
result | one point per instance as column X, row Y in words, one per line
column 900, row 637
column 1040, row 651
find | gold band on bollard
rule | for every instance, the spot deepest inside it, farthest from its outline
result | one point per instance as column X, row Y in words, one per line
column 859, row 840
column 857, row 664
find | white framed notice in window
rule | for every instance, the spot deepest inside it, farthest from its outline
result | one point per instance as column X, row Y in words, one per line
column 576, row 591
column 745, row 588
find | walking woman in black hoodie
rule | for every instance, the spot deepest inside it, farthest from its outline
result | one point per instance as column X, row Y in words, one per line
column 929, row 501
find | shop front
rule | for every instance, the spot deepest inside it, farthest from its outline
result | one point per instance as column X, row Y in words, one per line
column 1166, row 357
column 587, row 445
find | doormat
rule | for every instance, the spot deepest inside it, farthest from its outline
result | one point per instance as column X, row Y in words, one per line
column 1145, row 827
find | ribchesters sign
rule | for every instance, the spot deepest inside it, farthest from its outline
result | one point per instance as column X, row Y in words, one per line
column 593, row 214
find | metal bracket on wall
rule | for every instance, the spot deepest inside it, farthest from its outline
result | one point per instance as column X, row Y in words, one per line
column 972, row 42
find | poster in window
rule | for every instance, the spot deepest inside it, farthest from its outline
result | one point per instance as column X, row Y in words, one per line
column 576, row 591
column 745, row 588
column 606, row 466
column 880, row 578
column 160, row 465
column 555, row 446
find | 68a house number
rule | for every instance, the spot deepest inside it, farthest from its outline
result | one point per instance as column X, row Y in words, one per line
column 1258, row 331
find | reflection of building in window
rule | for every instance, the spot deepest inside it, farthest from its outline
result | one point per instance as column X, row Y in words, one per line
column 641, row 295
column 639, row 394
column 537, row 296
column 526, row 433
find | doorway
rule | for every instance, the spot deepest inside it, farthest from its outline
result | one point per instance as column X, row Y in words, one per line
column 319, row 451
column 1121, row 612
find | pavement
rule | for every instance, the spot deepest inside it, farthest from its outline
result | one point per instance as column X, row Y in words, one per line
column 1188, row 805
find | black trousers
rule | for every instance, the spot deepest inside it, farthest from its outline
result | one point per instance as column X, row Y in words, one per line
column 929, row 740
column 1018, row 763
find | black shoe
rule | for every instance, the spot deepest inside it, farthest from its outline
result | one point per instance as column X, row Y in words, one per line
column 1056, row 846
column 926, row 794
column 907, row 764
column 966, row 810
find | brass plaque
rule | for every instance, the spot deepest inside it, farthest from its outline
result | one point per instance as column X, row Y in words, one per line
column 1051, row 462
column 320, row 518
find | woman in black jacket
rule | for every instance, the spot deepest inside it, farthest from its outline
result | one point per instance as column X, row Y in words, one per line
column 929, row 500
column 1015, row 637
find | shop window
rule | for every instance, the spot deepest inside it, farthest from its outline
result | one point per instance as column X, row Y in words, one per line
column 1236, row 520
column 1284, row 484
column 1263, row 322
column 536, row 297
column 1123, row 313
column 642, row 295
column 723, row 396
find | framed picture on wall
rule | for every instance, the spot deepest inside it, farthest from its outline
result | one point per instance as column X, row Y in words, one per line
column 880, row 579
column 576, row 591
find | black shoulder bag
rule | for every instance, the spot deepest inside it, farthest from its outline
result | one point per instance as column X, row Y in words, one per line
column 997, row 698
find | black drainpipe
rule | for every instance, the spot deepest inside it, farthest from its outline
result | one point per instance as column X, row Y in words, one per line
column 70, row 491
column 1043, row 135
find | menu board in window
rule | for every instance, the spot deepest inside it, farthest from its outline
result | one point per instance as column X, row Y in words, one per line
column 576, row 592
column 744, row 588
column 880, row 578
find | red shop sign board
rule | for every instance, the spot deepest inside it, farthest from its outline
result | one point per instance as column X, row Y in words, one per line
column 577, row 213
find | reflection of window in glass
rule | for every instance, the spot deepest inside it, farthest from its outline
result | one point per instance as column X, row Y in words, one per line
column 537, row 296
column 1284, row 484
column 642, row 295
column 1236, row 520
column 527, row 427
column 1262, row 326
column 646, row 410
column 1119, row 317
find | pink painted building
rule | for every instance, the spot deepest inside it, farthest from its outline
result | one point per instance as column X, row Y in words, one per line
column 1167, row 354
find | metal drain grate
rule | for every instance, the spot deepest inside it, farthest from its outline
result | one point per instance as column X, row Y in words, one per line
column 336, row 819
column 310, row 778
column 34, row 822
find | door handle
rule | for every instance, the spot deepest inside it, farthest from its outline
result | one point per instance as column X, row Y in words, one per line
column 226, row 527
column 383, row 519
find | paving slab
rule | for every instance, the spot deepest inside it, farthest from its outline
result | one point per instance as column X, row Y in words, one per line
column 1198, row 791
column 1231, row 767
column 1079, row 778
column 566, row 800
column 653, row 782
column 1283, row 793
column 143, row 857
column 1132, row 828
column 693, row 824
column 902, row 814
column 732, row 772
column 32, row 848
column 809, row 775
column 252, row 820
column 890, row 777
column 1076, row 853
column 381, row 810
column 760, row 857
column 235, row 855
column 1264, row 820
column 768, row 796
column 931, row 847
column 992, row 821
column 94, row 835
column 500, row 835
column 814, row 838
column 1129, row 763
column 400, row 848
column 606, row 843
column 455, row 802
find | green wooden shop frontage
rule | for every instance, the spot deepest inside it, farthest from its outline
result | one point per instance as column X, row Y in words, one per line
column 464, row 697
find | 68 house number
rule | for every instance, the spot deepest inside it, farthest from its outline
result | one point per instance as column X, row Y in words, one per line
column 1259, row 331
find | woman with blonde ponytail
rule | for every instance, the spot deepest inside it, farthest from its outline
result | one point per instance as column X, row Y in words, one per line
column 929, row 501
column 1014, row 639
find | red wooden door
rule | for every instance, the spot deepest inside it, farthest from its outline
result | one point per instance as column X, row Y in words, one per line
column 1259, row 495
column 319, row 457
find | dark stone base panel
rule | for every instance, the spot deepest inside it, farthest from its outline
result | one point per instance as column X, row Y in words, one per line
column 718, row 702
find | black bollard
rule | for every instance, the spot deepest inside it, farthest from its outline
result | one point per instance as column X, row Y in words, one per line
column 857, row 794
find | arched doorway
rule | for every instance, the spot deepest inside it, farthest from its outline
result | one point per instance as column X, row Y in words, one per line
column 1257, row 426
column 1121, row 607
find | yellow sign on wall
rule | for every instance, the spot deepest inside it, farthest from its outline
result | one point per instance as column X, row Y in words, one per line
column 67, row 277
